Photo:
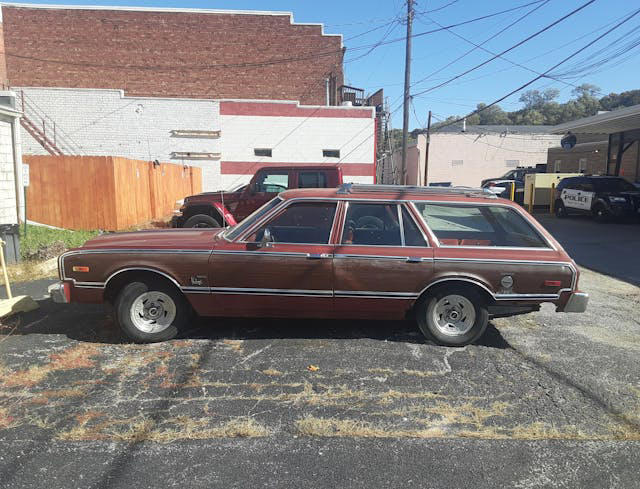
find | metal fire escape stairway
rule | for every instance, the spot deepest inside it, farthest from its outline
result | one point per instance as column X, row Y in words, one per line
column 56, row 142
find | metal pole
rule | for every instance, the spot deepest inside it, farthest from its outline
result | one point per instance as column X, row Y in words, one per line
column 407, row 96
column 4, row 270
column 25, row 211
column 426, row 150
column 552, row 199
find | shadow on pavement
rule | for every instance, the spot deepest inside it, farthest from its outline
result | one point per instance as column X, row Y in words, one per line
column 610, row 248
column 95, row 324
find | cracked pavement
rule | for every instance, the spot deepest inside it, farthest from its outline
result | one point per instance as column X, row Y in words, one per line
column 544, row 400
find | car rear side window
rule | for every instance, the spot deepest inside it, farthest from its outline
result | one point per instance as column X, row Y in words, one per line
column 372, row 225
column 312, row 179
column 479, row 225
column 412, row 235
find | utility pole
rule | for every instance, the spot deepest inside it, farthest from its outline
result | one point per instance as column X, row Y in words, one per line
column 407, row 96
column 426, row 151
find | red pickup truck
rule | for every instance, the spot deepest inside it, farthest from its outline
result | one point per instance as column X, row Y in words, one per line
column 216, row 209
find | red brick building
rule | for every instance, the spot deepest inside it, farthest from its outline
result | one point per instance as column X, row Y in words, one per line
column 171, row 52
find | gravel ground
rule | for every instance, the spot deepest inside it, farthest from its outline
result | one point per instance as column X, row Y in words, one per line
column 544, row 400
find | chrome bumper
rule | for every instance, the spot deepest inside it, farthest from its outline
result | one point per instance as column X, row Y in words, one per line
column 577, row 302
column 56, row 291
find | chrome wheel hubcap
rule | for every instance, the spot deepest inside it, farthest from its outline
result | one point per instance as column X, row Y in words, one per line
column 153, row 312
column 454, row 315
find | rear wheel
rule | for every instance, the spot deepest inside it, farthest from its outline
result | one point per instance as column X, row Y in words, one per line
column 559, row 209
column 600, row 214
column 152, row 311
column 201, row 221
column 453, row 316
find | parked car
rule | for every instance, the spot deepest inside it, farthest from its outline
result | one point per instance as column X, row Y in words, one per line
column 451, row 258
column 216, row 209
column 517, row 174
column 601, row 196
column 502, row 188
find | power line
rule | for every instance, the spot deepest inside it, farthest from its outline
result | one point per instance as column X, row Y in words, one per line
column 543, row 75
column 482, row 43
column 257, row 64
column 520, row 43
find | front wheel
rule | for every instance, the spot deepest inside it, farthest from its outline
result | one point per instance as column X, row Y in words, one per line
column 201, row 221
column 559, row 209
column 151, row 312
column 600, row 214
column 453, row 316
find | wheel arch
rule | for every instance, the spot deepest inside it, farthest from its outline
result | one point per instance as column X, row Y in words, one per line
column 465, row 282
column 203, row 208
column 118, row 279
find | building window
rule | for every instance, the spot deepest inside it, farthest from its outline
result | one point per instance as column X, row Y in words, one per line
column 582, row 165
column 512, row 163
column 457, row 162
column 262, row 152
column 556, row 166
column 331, row 153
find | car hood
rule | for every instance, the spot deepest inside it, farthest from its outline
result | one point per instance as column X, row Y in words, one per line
column 189, row 238
column 227, row 197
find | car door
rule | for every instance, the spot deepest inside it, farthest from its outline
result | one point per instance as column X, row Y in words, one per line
column 572, row 196
column 266, row 185
column 382, row 260
column 289, row 275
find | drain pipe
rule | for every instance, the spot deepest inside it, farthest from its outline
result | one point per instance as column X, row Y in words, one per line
column 326, row 86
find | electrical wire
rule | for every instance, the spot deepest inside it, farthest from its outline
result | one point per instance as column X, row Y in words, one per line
column 543, row 75
column 511, row 48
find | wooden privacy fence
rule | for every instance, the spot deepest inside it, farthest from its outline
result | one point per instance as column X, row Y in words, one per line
column 104, row 192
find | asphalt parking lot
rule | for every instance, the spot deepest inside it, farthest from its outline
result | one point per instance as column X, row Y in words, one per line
column 545, row 400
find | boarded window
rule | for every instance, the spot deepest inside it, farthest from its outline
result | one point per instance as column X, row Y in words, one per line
column 262, row 151
column 457, row 162
column 556, row 166
column 331, row 153
column 512, row 163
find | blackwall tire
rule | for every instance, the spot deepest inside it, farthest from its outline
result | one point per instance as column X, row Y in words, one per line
column 453, row 316
column 201, row 221
column 560, row 210
column 149, row 312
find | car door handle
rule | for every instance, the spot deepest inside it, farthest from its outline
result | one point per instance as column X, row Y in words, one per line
column 414, row 259
column 317, row 256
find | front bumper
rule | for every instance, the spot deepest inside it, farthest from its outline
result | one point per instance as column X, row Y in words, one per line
column 176, row 221
column 60, row 292
column 577, row 302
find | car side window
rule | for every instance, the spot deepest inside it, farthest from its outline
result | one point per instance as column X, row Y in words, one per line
column 272, row 182
column 312, row 179
column 371, row 224
column 412, row 235
column 302, row 222
column 571, row 184
column 479, row 225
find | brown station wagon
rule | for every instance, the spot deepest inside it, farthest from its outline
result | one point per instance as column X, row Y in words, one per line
column 450, row 258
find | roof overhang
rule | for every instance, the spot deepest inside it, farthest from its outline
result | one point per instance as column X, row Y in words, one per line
column 626, row 119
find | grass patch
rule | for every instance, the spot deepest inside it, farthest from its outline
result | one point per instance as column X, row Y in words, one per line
column 40, row 241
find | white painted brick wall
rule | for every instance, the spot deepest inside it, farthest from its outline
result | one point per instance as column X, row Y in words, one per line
column 106, row 122
column 7, row 184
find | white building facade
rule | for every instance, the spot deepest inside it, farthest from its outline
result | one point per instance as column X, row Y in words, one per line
column 465, row 158
column 228, row 139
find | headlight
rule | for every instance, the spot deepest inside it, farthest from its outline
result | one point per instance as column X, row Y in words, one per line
column 617, row 200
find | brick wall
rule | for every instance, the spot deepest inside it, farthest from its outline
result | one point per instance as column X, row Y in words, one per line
column 170, row 53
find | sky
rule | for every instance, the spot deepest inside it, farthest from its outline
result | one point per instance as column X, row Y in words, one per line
column 363, row 23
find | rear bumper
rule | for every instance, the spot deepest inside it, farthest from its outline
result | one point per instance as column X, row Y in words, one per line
column 60, row 292
column 577, row 302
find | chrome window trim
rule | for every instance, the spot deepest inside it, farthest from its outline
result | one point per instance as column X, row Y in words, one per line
column 274, row 209
column 344, row 221
column 281, row 208
column 401, row 224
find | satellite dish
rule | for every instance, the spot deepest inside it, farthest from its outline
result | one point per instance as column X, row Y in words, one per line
column 569, row 141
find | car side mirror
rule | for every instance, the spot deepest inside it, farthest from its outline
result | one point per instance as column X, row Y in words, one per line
column 267, row 239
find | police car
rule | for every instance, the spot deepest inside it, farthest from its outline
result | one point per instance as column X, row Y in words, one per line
column 601, row 196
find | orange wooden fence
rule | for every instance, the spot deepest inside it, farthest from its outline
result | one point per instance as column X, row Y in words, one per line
column 104, row 192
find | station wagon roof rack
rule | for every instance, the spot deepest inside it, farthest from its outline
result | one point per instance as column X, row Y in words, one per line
column 348, row 188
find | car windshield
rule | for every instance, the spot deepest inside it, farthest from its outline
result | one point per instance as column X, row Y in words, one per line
column 613, row 185
column 234, row 231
